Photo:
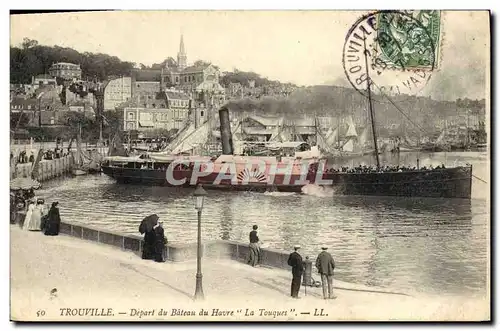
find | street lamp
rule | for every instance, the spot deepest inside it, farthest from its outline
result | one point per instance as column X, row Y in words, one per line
column 199, row 195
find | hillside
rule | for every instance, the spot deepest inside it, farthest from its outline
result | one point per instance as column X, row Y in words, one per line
column 31, row 59
column 340, row 101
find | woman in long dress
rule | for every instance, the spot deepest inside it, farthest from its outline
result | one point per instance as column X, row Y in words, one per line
column 20, row 208
column 148, row 248
column 35, row 222
column 53, row 221
column 13, row 209
column 29, row 214
column 159, row 243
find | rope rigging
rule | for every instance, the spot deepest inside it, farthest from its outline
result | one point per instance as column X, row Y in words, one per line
column 399, row 109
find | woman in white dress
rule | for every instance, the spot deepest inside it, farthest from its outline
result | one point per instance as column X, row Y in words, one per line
column 34, row 216
column 29, row 214
column 38, row 213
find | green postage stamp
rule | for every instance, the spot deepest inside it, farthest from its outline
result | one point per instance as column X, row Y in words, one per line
column 408, row 39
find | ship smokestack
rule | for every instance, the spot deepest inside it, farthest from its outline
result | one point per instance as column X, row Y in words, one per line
column 225, row 131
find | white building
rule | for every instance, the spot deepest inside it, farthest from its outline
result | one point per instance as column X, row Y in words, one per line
column 117, row 91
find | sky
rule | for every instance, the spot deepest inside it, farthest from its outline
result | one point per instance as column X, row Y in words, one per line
column 301, row 47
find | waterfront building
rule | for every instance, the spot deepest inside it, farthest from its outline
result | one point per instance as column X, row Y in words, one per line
column 168, row 110
column 117, row 91
column 65, row 70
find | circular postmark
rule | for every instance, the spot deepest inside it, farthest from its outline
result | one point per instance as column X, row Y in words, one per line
column 397, row 50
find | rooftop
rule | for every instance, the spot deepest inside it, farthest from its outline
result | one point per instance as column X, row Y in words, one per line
column 44, row 76
column 193, row 69
column 66, row 63
column 149, row 75
column 22, row 101
column 176, row 95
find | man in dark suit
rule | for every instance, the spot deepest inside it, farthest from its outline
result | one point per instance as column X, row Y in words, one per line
column 326, row 265
column 295, row 261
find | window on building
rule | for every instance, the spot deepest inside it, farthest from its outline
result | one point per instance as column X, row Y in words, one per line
column 130, row 115
column 154, row 105
column 201, row 113
column 176, row 79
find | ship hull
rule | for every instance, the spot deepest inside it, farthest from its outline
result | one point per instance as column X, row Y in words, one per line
column 437, row 183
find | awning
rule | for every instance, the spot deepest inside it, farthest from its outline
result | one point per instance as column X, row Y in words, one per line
column 148, row 124
column 286, row 144
column 125, row 159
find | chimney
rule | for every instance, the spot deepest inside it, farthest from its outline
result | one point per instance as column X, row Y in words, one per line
column 225, row 131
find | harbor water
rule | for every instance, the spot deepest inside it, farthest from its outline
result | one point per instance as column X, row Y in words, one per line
column 434, row 246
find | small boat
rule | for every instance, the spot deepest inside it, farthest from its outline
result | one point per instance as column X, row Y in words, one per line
column 78, row 172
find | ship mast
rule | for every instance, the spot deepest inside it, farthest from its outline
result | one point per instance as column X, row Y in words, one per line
column 370, row 103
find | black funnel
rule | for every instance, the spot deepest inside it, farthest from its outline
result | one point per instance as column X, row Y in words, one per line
column 225, row 131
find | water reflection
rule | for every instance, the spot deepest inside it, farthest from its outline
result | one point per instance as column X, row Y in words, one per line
column 226, row 220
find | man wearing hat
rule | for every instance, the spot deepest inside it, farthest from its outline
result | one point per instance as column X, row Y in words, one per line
column 326, row 265
column 295, row 261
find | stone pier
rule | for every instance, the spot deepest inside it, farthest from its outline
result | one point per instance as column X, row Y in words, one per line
column 47, row 169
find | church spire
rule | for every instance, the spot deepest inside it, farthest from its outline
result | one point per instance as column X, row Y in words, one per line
column 181, row 47
column 181, row 56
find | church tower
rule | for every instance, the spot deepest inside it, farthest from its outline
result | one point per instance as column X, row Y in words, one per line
column 181, row 56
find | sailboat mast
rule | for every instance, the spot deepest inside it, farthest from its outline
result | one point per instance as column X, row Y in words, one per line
column 370, row 104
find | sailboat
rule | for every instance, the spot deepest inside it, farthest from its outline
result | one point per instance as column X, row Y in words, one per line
column 84, row 163
column 353, row 145
column 439, row 145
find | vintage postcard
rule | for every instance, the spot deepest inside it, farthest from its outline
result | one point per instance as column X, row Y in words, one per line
column 250, row 166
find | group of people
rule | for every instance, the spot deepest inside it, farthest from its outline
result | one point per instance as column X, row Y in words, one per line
column 47, row 155
column 30, row 213
column 56, row 154
column 373, row 169
column 325, row 265
column 154, row 242
column 23, row 157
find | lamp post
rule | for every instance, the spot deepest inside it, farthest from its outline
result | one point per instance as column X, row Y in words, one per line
column 199, row 195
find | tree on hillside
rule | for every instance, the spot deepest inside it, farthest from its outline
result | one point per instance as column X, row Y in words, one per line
column 31, row 59
column 90, row 127
column 28, row 43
